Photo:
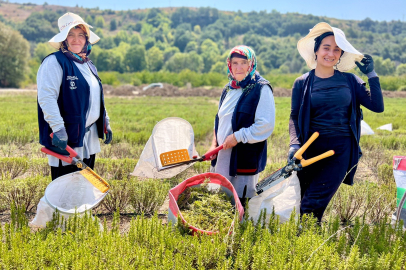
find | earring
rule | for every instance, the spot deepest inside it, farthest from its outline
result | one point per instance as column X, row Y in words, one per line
column 316, row 57
column 339, row 60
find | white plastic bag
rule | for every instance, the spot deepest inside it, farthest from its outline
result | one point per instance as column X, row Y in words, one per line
column 44, row 214
column 399, row 172
column 281, row 198
column 366, row 129
column 387, row 127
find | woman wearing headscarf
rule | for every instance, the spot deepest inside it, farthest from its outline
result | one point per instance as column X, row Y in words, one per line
column 70, row 97
column 327, row 100
column 244, row 121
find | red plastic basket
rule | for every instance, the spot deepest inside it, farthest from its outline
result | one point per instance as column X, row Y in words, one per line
column 215, row 178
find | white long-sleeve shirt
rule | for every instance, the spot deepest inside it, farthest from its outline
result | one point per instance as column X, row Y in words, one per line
column 259, row 131
column 49, row 80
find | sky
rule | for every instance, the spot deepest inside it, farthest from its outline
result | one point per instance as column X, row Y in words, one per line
column 378, row 10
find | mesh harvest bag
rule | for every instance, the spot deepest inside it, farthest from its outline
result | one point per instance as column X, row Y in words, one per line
column 169, row 134
column 216, row 181
column 399, row 172
column 70, row 193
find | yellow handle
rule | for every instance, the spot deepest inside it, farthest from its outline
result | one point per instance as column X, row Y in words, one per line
column 305, row 163
column 299, row 153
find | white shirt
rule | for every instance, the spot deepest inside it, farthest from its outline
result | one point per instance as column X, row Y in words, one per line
column 259, row 131
column 49, row 80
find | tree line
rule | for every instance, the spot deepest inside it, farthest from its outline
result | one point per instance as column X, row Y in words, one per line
column 199, row 39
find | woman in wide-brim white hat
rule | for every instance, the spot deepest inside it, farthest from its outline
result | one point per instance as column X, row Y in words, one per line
column 327, row 100
column 70, row 97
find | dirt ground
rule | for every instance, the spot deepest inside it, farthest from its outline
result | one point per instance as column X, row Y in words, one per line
column 173, row 91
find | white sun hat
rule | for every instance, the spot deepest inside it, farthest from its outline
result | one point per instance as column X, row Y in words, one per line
column 67, row 22
column 305, row 47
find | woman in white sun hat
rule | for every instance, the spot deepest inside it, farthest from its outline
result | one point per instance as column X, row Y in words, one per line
column 70, row 97
column 327, row 100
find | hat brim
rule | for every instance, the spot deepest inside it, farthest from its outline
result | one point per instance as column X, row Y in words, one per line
column 305, row 47
column 60, row 37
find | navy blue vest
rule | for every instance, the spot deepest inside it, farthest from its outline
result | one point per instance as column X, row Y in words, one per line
column 246, row 158
column 73, row 103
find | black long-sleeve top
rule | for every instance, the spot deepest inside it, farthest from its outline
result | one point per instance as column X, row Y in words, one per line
column 300, row 116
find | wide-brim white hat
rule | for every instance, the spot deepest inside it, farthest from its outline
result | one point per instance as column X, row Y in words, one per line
column 305, row 47
column 67, row 22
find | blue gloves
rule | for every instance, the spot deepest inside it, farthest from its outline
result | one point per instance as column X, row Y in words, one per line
column 60, row 139
column 108, row 132
column 368, row 64
column 292, row 150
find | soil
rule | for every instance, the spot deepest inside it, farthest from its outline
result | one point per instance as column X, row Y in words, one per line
column 173, row 91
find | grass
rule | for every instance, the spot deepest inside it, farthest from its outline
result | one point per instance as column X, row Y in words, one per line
column 344, row 241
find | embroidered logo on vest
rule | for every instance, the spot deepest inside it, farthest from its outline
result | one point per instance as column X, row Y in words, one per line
column 72, row 83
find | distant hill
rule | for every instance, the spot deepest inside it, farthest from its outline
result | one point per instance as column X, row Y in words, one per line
column 198, row 39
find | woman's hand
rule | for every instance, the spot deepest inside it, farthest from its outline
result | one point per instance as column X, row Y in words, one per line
column 60, row 139
column 368, row 64
column 108, row 132
column 212, row 147
column 230, row 142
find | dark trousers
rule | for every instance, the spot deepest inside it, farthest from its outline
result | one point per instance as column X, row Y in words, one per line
column 320, row 181
column 62, row 170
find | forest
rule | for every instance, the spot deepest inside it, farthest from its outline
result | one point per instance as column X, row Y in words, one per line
column 176, row 39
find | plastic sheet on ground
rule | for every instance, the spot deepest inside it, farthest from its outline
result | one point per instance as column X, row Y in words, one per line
column 282, row 198
column 366, row 129
column 399, row 172
column 387, row 127
column 169, row 134
column 217, row 181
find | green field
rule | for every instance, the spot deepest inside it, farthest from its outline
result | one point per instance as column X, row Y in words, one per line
column 355, row 235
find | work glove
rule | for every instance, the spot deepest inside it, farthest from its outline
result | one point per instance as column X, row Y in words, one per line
column 60, row 139
column 108, row 132
column 292, row 150
column 368, row 64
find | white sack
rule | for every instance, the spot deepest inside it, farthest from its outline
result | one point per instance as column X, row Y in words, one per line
column 366, row 129
column 169, row 134
column 44, row 215
column 282, row 198
column 387, row 127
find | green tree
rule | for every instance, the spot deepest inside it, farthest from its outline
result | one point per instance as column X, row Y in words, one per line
column 219, row 67
column 155, row 59
column 14, row 57
column 135, row 39
column 210, row 54
column 384, row 67
column 42, row 50
column 169, row 52
column 89, row 20
column 99, row 22
column 37, row 27
column 113, row 24
column 181, row 61
column 135, row 58
column 191, row 46
column 401, row 70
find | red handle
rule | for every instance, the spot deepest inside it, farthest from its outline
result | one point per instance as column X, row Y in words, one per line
column 212, row 152
column 72, row 153
column 52, row 153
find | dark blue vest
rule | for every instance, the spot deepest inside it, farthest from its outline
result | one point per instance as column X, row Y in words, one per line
column 246, row 158
column 73, row 103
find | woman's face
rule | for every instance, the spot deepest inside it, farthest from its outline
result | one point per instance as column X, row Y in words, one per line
column 328, row 53
column 76, row 40
column 239, row 67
